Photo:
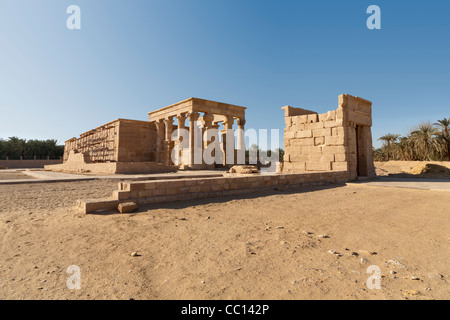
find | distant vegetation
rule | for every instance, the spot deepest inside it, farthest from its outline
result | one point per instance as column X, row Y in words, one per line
column 14, row 148
column 254, row 149
column 425, row 142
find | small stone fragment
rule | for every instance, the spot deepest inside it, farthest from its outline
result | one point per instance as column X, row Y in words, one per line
column 335, row 253
column 127, row 207
column 367, row 252
column 394, row 263
column 410, row 293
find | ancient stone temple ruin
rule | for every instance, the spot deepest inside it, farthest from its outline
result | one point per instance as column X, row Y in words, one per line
column 332, row 147
column 203, row 115
column 339, row 140
column 130, row 146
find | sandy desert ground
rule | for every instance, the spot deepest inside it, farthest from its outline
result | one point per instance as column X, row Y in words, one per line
column 260, row 246
column 404, row 167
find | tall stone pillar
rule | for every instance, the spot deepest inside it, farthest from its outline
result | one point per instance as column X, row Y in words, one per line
column 223, row 137
column 241, row 142
column 229, row 142
column 181, row 119
column 168, row 122
column 217, row 153
column 193, row 117
column 159, row 139
column 208, row 118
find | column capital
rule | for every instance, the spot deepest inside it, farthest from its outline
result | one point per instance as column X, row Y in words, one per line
column 168, row 120
column 208, row 116
column 193, row 116
column 228, row 123
column 207, row 120
column 181, row 119
column 159, row 123
column 241, row 122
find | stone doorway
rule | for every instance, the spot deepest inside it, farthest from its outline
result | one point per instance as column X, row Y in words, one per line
column 361, row 151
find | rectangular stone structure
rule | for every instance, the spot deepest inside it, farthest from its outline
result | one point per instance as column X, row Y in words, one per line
column 338, row 140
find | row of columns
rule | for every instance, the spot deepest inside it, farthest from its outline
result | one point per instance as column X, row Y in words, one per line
column 165, row 127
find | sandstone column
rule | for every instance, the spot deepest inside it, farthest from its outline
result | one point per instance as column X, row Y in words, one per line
column 181, row 119
column 168, row 122
column 193, row 117
column 217, row 153
column 241, row 141
column 208, row 118
column 159, row 137
column 229, row 141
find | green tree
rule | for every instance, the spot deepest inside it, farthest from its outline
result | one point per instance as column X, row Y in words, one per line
column 424, row 139
column 388, row 140
column 444, row 126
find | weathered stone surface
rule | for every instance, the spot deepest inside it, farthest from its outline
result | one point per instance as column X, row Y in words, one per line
column 339, row 140
column 127, row 207
column 163, row 191
column 244, row 169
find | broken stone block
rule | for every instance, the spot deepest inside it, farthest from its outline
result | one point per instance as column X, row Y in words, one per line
column 127, row 207
column 244, row 169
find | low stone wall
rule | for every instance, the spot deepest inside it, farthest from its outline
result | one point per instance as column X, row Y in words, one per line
column 160, row 191
column 112, row 167
column 24, row 164
column 97, row 168
column 143, row 167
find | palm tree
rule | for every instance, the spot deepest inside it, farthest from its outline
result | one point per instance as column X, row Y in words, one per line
column 424, row 138
column 2, row 148
column 16, row 147
column 403, row 146
column 388, row 140
column 444, row 125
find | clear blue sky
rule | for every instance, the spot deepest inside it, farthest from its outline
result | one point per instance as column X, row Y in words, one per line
column 131, row 57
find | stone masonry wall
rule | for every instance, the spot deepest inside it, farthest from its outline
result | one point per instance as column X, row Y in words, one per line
column 160, row 191
column 338, row 140
column 315, row 142
column 136, row 141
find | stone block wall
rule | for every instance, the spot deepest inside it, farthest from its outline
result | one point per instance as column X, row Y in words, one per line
column 136, row 142
column 338, row 140
column 160, row 191
column 120, row 140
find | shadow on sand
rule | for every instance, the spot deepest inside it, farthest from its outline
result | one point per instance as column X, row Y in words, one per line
column 285, row 190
